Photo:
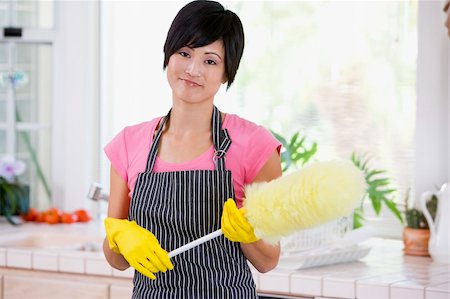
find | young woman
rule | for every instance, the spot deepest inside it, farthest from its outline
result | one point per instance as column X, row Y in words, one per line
column 179, row 177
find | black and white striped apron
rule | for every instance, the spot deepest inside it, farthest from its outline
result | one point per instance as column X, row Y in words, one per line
column 179, row 207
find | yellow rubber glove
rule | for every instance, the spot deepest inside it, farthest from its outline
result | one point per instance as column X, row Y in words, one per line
column 138, row 246
column 235, row 226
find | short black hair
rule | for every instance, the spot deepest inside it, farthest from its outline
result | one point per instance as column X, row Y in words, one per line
column 200, row 23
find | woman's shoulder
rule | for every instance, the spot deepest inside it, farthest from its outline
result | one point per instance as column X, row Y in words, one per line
column 244, row 126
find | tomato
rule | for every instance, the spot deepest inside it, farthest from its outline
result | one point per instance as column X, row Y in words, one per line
column 52, row 216
column 83, row 215
column 40, row 217
column 31, row 215
column 69, row 218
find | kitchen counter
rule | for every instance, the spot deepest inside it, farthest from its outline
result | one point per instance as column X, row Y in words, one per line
column 384, row 273
column 75, row 250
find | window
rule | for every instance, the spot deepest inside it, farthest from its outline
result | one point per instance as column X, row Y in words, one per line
column 343, row 73
column 26, row 94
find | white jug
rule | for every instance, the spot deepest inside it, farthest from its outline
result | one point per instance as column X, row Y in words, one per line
column 438, row 245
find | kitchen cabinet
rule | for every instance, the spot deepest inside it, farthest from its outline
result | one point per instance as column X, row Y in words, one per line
column 19, row 287
column 20, row 283
column 121, row 292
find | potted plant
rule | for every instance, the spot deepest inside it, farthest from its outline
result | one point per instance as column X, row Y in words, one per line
column 416, row 232
column 14, row 196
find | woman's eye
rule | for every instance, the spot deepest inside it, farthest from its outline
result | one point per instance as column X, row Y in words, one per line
column 184, row 54
column 211, row 62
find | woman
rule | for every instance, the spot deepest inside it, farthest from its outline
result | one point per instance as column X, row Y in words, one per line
column 174, row 177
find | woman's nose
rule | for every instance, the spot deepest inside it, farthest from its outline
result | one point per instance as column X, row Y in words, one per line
column 193, row 68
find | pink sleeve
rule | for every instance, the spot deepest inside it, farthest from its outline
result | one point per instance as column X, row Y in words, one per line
column 116, row 151
column 260, row 148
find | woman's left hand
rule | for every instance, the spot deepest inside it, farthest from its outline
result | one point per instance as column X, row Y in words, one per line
column 235, row 226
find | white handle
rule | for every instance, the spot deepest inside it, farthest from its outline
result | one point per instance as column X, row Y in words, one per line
column 423, row 206
column 195, row 243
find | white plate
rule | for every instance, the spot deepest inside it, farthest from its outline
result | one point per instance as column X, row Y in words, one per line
column 321, row 258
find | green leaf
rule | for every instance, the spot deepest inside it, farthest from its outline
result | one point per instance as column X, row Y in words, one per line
column 376, row 203
column 374, row 172
column 393, row 207
column 280, row 138
column 378, row 186
column 296, row 152
column 358, row 218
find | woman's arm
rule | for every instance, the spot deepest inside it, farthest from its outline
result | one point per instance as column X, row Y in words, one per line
column 118, row 205
column 264, row 257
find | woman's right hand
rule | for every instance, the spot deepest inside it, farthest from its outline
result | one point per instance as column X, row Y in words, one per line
column 234, row 225
column 138, row 246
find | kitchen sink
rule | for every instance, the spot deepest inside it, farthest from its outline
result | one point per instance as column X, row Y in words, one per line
column 52, row 241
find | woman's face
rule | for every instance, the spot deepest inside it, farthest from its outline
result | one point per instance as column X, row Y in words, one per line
column 195, row 74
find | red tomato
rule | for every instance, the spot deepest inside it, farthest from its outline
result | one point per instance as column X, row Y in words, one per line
column 31, row 215
column 83, row 215
column 40, row 217
column 69, row 218
column 52, row 216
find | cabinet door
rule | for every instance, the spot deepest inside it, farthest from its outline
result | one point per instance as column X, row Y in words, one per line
column 121, row 292
column 16, row 287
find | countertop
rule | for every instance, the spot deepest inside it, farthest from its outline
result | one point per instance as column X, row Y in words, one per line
column 384, row 273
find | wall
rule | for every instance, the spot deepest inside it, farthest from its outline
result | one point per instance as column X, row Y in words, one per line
column 76, row 103
column 432, row 131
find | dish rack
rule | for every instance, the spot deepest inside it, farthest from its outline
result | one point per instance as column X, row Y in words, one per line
column 317, row 246
column 317, row 237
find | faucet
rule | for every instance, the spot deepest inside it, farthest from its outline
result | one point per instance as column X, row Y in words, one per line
column 95, row 192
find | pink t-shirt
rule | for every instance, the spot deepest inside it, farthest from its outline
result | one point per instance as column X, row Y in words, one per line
column 251, row 147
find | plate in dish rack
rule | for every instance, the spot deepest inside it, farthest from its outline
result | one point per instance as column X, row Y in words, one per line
column 317, row 258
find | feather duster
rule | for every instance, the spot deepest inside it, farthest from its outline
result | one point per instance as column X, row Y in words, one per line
column 313, row 195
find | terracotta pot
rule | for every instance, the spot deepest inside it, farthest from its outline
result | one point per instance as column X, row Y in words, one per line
column 416, row 241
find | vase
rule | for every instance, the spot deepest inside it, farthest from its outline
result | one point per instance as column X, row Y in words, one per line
column 415, row 241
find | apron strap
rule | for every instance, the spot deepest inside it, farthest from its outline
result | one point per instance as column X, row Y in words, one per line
column 151, row 159
column 221, row 141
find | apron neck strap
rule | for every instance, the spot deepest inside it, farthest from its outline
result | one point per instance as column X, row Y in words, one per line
column 221, row 141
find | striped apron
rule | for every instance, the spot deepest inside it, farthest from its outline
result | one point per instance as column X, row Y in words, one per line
column 179, row 207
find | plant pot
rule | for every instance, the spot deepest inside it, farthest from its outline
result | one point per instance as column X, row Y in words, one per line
column 415, row 241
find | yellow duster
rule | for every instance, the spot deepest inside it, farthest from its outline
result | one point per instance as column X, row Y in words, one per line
column 313, row 195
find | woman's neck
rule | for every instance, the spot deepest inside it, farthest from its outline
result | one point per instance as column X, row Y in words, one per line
column 188, row 119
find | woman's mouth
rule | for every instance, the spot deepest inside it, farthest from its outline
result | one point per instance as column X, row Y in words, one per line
column 191, row 83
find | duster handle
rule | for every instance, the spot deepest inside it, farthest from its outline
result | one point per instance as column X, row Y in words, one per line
column 195, row 243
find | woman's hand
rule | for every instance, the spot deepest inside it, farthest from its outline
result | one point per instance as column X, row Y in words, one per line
column 235, row 226
column 138, row 246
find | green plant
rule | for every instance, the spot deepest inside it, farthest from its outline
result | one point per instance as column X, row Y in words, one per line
column 295, row 151
column 14, row 196
column 414, row 217
column 378, row 191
